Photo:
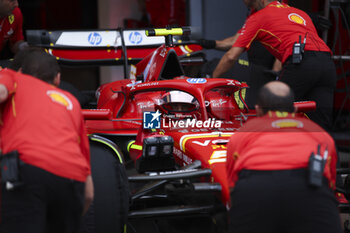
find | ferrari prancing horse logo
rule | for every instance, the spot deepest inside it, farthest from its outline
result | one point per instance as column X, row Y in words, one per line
column 11, row 19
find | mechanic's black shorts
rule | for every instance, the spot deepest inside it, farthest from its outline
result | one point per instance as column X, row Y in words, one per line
column 282, row 201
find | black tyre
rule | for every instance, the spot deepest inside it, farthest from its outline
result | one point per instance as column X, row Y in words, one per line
column 108, row 212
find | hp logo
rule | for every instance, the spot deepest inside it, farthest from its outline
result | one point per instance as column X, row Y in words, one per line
column 196, row 80
column 135, row 38
column 95, row 38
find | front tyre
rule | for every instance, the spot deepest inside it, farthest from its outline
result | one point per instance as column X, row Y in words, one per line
column 109, row 210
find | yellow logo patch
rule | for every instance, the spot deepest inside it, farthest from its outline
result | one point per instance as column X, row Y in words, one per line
column 60, row 98
column 287, row 123
column 11, row 19
column 295, row 18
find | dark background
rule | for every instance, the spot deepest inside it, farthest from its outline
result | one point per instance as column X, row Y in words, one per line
column 65, row 15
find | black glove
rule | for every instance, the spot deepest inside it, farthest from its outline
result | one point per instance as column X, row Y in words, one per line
column 273, row 74
column 207, row 44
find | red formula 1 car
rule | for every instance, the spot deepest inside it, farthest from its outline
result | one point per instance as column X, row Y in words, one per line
column 173, row 129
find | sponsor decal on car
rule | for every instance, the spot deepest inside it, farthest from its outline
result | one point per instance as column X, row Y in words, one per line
column 144, row 105
column 215, row 103
column 232, row 82
column 186, row 160
column 135, row 38
column 187, row 137
column 133, row 83
column 196, row 80
column 218, row 156
column 148, row 84
column 94, row 38
column 171, row 172
column 218, row 142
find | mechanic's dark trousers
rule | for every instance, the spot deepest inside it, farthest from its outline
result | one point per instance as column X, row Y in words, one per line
column 259, row 76
column 45, row 203
column 282, row 202
column 313, row 79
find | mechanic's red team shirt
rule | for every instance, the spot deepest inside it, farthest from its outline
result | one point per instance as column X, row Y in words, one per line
column 278, row 141
column 11, row 28
column 45, row 125
column 278, row 26
column 252, row 11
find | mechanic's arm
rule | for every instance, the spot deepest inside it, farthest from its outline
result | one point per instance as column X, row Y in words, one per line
column 277, row 65
column 85, row 149
column 3, row 93
column 223, row 45
column 89, row 185
column 89, row 193
column 227, row 61
column 226, row 44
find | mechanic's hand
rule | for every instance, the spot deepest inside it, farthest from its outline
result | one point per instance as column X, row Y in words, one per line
column 207, row 44
column 274, row 74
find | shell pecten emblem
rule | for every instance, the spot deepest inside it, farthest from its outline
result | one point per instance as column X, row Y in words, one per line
column 60, row 98
column 295, row 18
column 287, row 123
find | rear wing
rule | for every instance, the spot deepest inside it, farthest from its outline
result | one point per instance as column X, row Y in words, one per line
column 106, row 47
column 92, row 39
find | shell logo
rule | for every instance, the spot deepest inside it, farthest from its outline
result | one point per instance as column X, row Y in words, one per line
column 60, row 98
column 295, row 18
column 288, row 123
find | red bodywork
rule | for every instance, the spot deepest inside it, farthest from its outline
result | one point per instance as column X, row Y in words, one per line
column 204, row 144
column 111, row 54
column 121, row 105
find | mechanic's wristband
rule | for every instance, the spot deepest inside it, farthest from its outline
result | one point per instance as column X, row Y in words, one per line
column 208, row 44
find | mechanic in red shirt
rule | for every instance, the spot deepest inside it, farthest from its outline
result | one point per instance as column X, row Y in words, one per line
column 11, row 21
column 268, row 170
column 261, row 65
column 45, row 125
column 279, row 27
